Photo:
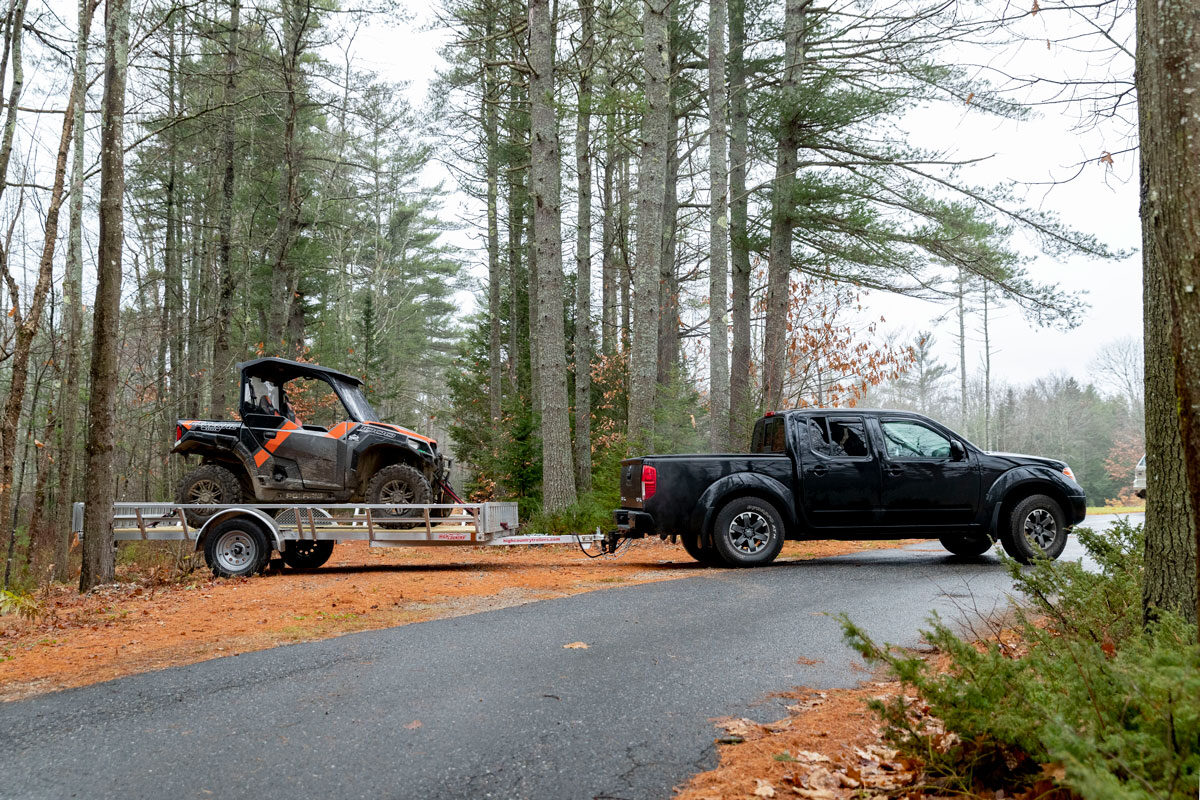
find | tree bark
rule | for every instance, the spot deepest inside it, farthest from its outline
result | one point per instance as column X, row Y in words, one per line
column 222, row 362
column 652, row 171
column 741, row 408
column 1168, row 43
column 779, row 258
column 98, row 536
column 718, row 233
column 492, row 172
column 558, row 477
column 668, row 282
column 583, row 257
column 608, row 235
column 68, row 398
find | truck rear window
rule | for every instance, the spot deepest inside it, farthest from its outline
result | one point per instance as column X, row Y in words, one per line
column 769, row 436
column 837, row 438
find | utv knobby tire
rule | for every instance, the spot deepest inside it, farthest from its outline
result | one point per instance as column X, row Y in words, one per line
column 398, row 484
column 748, row 532
column 967, row 545
column 306, row 553
column 236, row 548
column 1036, row 528
column 708, row 556
column 210, row 483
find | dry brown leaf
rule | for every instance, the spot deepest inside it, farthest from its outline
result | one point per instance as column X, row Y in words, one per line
column 412, row 726
column 810, row 756
column 763, row 788
column 740, row 727
column 814, row 794
column 575, row 646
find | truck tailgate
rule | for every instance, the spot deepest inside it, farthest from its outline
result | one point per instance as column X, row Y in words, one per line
column 631, row 483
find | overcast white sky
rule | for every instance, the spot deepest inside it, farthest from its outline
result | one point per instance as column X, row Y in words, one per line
column 1102, row 200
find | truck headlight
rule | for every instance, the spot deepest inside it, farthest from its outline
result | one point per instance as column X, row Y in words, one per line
column 1068, row 473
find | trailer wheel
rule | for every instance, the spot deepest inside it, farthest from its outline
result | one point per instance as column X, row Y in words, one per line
column 209, row 484
column 236, row 548
column 748, row 532
column 708, row 556
column 399, row 484
column 306, row 553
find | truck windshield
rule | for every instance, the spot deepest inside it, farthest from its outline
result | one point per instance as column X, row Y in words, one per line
column 356, row 402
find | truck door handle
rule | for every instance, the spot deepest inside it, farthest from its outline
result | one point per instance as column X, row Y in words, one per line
column 818, row 470
column 893, row 470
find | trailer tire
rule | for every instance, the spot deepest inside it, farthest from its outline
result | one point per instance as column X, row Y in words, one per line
column 210, row 483
column 236, row 548
column 400, row 484
column 708, row 556
column 306, row 553
column 748, row 532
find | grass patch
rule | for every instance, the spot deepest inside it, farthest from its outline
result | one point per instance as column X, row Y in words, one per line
column 1094, row 510
column 1076, row 692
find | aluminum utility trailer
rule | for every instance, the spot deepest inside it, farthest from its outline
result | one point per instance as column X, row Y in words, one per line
column 239, row 539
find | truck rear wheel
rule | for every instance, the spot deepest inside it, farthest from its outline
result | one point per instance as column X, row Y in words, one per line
column 708, row 556
column 210, row 484
column 306, row 553
column 967, row 545
column 236, row 548
column 1036, row 528
column 748, row 533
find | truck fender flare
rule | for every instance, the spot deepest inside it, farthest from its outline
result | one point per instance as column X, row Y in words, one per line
column 230, row 513
column 1019, row 479
column 751, row 484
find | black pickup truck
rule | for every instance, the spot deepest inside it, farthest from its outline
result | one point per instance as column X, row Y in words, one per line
column 850, row 474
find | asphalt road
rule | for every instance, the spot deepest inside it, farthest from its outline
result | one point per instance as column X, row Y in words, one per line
column 504, row 710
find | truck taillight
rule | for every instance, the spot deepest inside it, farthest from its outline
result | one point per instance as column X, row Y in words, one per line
column 649, row 482
column 178, row 432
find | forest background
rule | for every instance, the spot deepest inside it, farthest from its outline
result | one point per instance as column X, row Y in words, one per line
column 279, row 198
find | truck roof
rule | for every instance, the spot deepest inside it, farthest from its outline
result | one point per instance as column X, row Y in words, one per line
column 279, row 370
column 838, row 411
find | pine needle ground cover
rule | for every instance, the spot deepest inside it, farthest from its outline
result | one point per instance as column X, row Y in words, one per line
column 1072, row 696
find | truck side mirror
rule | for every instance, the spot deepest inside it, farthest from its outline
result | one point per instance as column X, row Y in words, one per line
column 957, row 451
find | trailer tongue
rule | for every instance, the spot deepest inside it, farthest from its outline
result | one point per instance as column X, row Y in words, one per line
column 238, row 539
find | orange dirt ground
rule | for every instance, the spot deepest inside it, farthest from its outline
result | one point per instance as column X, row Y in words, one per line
column 137, row 626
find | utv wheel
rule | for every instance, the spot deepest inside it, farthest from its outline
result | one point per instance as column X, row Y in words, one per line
column 210, row 484
column 708, row 556
column 1036, row 528
column 307, row 554
column 748, row 533
column 236, row 548
column 399, row 484
column 967, row 545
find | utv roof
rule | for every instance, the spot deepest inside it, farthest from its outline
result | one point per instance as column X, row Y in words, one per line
column 279, row 370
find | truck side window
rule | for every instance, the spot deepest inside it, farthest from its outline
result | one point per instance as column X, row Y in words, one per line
column 769, row 436
column 847, row 439
column 905, row 439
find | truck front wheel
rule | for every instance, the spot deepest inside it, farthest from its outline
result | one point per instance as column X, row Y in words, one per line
column 1035, row 528
column 748, row 532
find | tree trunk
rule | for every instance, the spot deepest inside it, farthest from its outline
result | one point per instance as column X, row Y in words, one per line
column 740, row 406
column 222, row 362
column 779, row 258
column 27, row 323
column 558, row 476
column 608, row 235
column 718, row 232
column 652, row 172
column 72, row 302
column 668, row 282
column 284, row 275
column 98, row 536
column 962, row 352
column 1167, row 44
column 583, row 257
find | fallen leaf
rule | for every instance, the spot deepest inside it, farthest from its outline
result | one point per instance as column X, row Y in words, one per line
column 575, row 646
column 814, row 794
column 412, row 726
column 763, row 788
column 808, row 755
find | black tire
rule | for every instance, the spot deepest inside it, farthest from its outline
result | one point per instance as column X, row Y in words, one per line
column 400, row 484
column 306, row 554
column 236, row 548
column 1036, row 528
column 708, row 556
column 748, row 533
column 210, row 483
column 967, row 545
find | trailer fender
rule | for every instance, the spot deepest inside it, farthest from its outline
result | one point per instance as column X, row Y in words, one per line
column 229, row 513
